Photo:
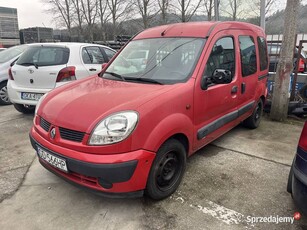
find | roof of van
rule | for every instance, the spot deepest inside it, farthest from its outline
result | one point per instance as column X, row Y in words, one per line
column 196, row 29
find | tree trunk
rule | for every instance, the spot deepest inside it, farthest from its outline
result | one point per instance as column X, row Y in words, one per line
column 280, row 102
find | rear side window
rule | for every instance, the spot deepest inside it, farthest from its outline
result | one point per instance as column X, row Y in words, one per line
column 263, row 53
column 248, row 55
column 222, row 57
column 92, row 55
column 44, row 56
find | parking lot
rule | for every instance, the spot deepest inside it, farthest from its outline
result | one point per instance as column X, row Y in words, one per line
column 241, row 175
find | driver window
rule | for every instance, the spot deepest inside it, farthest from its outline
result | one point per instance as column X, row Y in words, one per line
column 222, row 57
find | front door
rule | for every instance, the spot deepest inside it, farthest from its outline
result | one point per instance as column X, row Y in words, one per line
column 215, row 108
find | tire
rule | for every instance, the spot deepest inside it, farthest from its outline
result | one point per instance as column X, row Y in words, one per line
column 289, row 185
column 4, row 97
column 25, row 109
column 303, row 92
column 167, row 170
column 253, row 121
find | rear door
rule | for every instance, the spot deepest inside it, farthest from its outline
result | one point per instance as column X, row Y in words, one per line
column 92, row 58
column 38, row 66
column 249, row 71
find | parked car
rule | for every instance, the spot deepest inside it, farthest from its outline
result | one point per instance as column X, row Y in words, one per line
column 138, row 58
column 2, row 49
column 274, row 52
column 48, row 65
column 130, row 130
column 297, row 181
column 7, row 58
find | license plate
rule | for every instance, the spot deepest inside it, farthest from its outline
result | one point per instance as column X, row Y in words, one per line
column 31, row 96
column 51, row 159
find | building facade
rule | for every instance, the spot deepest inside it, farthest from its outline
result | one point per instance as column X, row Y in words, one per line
column 9, row 30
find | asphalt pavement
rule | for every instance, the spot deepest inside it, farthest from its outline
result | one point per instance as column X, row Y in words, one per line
column 232, row 183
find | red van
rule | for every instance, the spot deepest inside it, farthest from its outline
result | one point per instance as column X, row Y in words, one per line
column 130, row 129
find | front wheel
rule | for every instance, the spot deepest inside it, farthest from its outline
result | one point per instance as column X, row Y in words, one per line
column 253, row 121
column 25, row 109
column 167, row 170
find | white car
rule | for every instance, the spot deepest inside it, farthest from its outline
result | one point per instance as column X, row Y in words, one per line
column 7, row 58
column 44, row 66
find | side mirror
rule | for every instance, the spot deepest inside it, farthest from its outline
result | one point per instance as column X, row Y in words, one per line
column 221, row 76
column 103, row 66
column 205, row 82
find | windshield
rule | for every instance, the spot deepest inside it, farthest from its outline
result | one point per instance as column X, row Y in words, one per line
column 11, row 53
column 157, row 60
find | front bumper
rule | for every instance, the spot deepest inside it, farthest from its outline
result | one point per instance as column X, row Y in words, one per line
column 117, row 175
column 299, row 180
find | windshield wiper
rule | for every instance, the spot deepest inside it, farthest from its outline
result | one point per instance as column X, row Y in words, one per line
column 147, row 80
column 28, row 64
column 116, row 75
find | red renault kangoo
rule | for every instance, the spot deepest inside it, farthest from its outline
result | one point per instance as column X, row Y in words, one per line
column 170, row 91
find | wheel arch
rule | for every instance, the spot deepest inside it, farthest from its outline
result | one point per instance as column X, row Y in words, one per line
column 176, row 126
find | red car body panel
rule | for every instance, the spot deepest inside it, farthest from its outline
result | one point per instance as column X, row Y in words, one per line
column 181, row 109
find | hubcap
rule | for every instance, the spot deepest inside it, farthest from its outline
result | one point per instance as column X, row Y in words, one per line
column 167, row 172
column 4, row 95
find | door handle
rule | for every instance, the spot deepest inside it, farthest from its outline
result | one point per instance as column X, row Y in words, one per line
column 243, row 87
column 92, row 69
column 234, row 89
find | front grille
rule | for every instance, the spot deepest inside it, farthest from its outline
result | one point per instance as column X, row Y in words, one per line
column 71, row 135
column 45, row 124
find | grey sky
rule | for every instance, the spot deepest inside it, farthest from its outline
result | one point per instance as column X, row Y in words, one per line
column 31, row 13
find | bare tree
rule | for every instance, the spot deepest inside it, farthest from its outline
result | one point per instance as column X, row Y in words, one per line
column 78, row 13
column 145, row 8
column 279, row 109
column 163, row 8
column 104, row 15
column 61, row 9
column 89, row 10
column 209, row 8
column 187, row 9
column 119, row 10
column 255, row 6
column 233, row 8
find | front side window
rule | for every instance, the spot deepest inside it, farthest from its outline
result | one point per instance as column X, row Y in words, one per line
column 163, row 60
column 92, row 55
column 222, row 56
column 44, row 56
column 109, row 53
column 263, row 53
column 248, row 55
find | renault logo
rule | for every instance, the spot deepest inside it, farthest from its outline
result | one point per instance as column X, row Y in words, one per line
column 52, row 133
column 30, row 71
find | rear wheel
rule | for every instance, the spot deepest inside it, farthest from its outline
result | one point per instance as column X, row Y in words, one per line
column 253, row 121
column 167, row 170
column 25, row 109
column 4, row 97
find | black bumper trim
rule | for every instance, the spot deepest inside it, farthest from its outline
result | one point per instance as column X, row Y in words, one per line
column 112, row 173
column 135, row 194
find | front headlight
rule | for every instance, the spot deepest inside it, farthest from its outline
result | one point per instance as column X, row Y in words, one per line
column 39, row 102
column 114, row 128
